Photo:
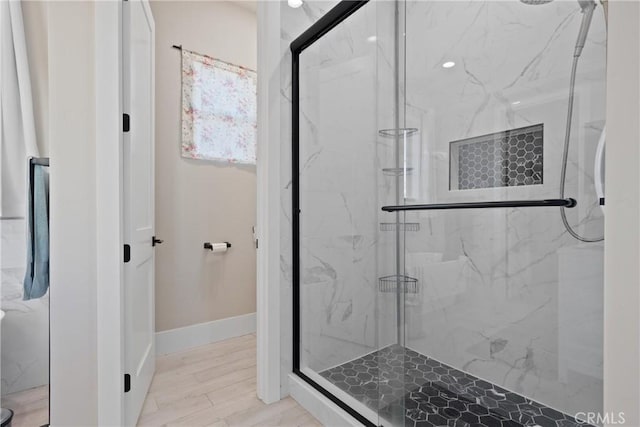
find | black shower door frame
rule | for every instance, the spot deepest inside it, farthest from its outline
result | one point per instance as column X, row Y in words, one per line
column 326, row 23
column 331, row 19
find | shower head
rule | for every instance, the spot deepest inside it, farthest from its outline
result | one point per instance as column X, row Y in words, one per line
column 587, row 7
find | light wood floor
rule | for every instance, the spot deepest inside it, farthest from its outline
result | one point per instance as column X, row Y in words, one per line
column 215, row 385
column 30, row 407
column 212, row 385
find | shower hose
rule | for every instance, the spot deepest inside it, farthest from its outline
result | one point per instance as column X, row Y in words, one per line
column 565, row 157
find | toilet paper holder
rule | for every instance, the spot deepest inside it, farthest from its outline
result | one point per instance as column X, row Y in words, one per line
column 208, row 245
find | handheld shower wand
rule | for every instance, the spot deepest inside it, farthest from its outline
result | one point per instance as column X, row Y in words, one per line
column 588, row 6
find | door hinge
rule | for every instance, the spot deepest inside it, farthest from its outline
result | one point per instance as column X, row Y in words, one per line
column 127, row 383
column 127, row 253
column 126, row 123
column 255, row 235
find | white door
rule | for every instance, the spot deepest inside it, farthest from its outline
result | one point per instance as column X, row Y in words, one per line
column 139, row 227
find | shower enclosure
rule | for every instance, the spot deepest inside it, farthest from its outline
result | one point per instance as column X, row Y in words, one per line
column 434, row 280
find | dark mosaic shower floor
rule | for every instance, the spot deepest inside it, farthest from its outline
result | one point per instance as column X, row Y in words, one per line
column 395, row 381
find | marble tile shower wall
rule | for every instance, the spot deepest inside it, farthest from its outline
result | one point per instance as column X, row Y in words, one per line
column 505, row 290
column 338, row 203
column 25, row 327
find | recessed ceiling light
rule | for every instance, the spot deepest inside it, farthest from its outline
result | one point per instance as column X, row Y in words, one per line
column 372, row 39
column 294, row 3
column 515, row 103
column 449, row 64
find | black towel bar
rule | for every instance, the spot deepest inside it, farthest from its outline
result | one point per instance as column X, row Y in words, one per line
column 566, row 203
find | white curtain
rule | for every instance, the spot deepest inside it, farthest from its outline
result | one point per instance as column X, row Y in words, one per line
column 17, row 128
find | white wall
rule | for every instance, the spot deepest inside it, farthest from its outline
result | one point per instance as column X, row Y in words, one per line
column 35, row 15
column 622, row 246
column 74, row 395
column 199, row 201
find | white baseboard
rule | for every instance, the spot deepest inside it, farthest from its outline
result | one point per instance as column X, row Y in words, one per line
column 179, row 339
column 324, row 410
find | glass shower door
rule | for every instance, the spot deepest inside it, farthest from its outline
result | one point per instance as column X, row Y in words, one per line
column 337, row 211
column 349, row 161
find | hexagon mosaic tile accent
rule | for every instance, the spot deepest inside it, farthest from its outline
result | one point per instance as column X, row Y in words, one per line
column 503, row 159
column 403, row 384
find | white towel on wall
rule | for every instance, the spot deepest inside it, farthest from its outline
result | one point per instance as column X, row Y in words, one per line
column 17, row 126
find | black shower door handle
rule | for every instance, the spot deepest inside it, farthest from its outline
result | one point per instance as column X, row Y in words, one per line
column 565, row 203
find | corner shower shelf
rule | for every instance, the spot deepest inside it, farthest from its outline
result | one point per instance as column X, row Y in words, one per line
column 396, row 171
column 397, row 132
column 405, row 226
column 408, row 285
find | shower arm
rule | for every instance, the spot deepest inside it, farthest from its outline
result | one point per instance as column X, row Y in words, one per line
column 565, row 203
